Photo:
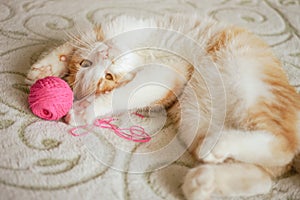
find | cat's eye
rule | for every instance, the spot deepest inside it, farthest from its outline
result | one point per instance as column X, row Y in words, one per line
column 86, row 63
column 109, row 76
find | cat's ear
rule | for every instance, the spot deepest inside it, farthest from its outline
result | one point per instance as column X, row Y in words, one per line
column 51, row 63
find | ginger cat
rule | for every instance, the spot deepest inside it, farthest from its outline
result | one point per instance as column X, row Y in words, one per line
column 221, row 84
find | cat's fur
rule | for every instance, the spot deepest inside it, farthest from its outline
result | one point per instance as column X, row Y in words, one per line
column 231, row 83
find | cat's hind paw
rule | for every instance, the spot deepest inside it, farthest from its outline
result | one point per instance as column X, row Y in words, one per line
column 199, row 183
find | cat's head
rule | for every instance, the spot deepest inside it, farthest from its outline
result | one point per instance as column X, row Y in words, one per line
column 102, row 60
column 100, row 70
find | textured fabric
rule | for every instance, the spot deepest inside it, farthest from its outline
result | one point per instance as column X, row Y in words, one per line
column 41, row 160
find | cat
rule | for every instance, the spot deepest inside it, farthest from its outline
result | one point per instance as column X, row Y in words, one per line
column 216, row 80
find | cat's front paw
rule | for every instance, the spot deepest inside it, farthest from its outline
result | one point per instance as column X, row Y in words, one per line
column 38, row 72
column 80, row 114
column 52, row 63
column 75, row 118
column 199, row 183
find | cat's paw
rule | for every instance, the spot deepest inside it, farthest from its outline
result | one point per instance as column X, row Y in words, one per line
column 80, row 114
column 199, row 183
column 37, row 72
column 53, row 64
column 214, row 157
column 75, row 118
column 46, row 67
column 216, row 152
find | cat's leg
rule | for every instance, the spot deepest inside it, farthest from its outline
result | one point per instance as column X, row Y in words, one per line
column 258, row 147
column 53, row 63
column 227, row 179
column 86, row 110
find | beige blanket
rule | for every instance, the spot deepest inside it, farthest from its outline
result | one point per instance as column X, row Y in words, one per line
column 41, row 160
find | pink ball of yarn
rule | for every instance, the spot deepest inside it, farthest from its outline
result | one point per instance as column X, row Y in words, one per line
column 50, row 98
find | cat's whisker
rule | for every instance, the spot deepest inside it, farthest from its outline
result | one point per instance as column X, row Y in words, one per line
column 84, row 37
column 83, row 93
column 79, row 47
column 76, row 80
column 69, row 35
column 78, row 40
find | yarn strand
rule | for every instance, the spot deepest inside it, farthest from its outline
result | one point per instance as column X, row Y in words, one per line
column 134, row 133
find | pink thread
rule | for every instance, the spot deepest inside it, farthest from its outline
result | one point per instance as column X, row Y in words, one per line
column 137, row 133
column 74, row 131
column 50, row 98
column 139, row 115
